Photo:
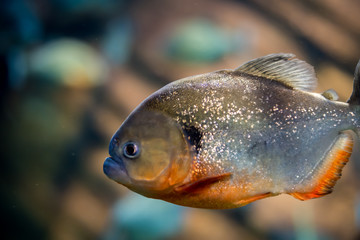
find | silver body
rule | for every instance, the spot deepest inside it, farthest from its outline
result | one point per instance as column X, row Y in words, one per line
column 255, row 126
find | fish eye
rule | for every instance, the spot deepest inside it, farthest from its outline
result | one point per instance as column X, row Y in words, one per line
column 131, row 150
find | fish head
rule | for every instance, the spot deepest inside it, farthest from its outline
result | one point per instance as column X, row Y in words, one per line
column 149, row 153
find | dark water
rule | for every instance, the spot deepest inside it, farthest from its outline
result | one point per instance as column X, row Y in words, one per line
column 71, row 71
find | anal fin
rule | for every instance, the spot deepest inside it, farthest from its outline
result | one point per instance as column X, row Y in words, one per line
column 330, row 171
column 202, row 183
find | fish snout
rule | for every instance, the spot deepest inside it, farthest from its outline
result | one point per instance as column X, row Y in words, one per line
column 114, row 169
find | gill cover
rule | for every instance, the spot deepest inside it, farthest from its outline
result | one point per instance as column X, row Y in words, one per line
column 164, row 156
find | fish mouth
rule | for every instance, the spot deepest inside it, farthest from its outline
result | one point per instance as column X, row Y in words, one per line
column 114, row 169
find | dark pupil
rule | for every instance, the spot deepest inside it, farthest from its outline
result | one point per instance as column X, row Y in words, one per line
column 130, row 149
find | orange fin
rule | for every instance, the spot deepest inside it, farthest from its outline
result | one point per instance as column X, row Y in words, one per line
column 202, row 183
column 330, row 171
column 245, row 201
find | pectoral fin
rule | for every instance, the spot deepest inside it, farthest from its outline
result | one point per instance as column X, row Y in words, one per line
column 329, row 172
column 202, row 183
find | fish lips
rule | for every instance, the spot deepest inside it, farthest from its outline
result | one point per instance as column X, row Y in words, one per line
column 114, row 169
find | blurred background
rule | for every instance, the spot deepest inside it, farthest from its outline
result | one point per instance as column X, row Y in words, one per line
column 72, row 70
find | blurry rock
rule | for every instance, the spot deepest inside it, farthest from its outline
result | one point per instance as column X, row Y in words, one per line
column 21, row 22
column 69, row 63
column 213, row 225
column 17, row 67
column 198, row 40
column 118, row 40
column 304, row 226
column 81, row 6
column 138, row 218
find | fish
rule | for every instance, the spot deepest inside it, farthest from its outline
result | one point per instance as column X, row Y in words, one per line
column 227, row 138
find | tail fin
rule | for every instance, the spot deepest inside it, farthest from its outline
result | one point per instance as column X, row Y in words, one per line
column 355, row 96
column 354, row 100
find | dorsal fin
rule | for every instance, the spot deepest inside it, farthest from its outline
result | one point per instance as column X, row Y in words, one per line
column 330, row 94
column 284, row 68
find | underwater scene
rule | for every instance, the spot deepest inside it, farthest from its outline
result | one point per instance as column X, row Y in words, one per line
column 73, row 71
